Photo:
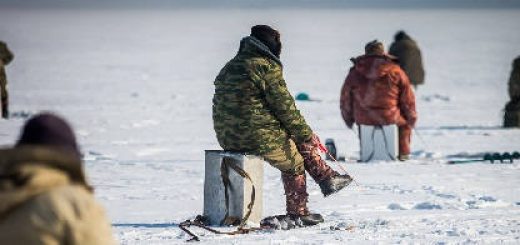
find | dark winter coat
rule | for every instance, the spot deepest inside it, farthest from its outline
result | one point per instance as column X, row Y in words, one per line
column 512, row 109
column 410, row 60
column 377, row 92
column 253, row 110
column 512, row 113
column 514, row 80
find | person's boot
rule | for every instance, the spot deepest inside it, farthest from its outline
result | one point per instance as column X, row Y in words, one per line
column 334, row 184
column 296, row 200
column 403, row 157
column 329, row 180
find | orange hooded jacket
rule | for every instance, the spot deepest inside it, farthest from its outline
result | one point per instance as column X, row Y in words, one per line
column 377, row 92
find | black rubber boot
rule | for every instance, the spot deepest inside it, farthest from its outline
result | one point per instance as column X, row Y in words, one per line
column 311, row 219
column 334, row 184
column 296, row 203
column 291, row 221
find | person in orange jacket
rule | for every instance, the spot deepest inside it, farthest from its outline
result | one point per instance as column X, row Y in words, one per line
column 378, row 92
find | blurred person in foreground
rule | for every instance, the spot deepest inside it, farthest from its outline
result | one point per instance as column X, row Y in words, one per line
column 409, row 55
column 44, row 196
column 512, row 110
column 253, row 112
column 6, row 56
column 378, row 92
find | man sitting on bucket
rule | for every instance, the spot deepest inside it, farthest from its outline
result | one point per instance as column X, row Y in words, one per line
column 253, row 112
column 378, row 92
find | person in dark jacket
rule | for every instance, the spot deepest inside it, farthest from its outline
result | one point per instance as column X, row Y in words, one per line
column 512, row 110
column 409, row 55
column 253, row 112
column 6, row 56
column 378, row 92
column 44, row 195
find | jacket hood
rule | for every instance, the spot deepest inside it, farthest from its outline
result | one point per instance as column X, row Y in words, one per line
column 29, row 170
column 252, row 46
column 374, row 66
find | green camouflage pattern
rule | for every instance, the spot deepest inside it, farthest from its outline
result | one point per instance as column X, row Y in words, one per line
column 5, row 58
column 5, row 54
column 253, row 111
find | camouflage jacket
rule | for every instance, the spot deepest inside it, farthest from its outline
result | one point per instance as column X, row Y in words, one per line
column 5, row 54
column 253, row 110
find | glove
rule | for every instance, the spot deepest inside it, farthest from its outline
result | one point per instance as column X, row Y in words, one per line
column 314, row 144
column 317, row 142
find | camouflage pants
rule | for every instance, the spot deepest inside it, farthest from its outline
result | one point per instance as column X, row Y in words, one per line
column 287, row 159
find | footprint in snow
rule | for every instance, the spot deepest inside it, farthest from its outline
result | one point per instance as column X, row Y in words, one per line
column 427, row 206
column 487, row 199
column 395, row 206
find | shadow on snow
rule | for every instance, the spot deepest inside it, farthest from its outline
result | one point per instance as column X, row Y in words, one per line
column 145, row 225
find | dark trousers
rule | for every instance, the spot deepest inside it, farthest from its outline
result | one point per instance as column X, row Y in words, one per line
column 405, row 137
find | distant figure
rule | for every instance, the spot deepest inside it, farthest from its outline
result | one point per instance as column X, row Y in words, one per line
column 44, row 196
column 254, row 112
column 5, row 58
column 378, row 92
column 512, row 110
column 409, row 55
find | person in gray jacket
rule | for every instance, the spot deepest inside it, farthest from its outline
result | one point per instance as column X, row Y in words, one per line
column 512, row 110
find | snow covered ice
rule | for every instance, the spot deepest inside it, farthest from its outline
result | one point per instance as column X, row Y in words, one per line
column 137, row 87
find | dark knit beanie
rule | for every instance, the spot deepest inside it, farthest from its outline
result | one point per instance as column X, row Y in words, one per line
column 268, row 36
column 49, row 130
column 374, row 48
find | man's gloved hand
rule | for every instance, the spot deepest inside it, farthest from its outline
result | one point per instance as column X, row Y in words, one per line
column 317, row 142
column 313, row 145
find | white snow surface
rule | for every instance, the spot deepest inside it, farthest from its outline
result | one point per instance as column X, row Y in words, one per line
column 137, row 87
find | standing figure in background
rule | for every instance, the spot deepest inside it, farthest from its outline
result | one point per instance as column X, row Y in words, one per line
column 253, row 112
column 512, row 110
column 44, row 195
column 409, row 55
column 378, row 92
column 5, row 58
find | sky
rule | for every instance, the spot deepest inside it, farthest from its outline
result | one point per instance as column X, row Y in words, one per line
column 260, row 3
